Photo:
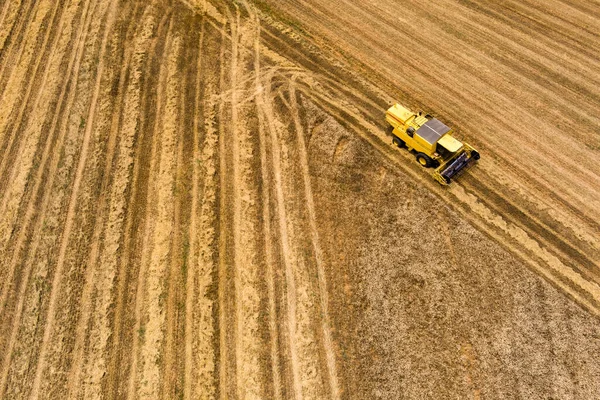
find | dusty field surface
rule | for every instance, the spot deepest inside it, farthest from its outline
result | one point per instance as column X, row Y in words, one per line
column 198, row 199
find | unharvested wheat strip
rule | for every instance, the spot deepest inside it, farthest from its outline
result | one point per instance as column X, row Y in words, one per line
column 151, row 348
column 141, row 325
column 269, row 259
column 57, row 280
column 323, row 294
column 72, row 68
column 100, row 279
column 7, row 221
column 285, row 247
column 130, row 119
column 15, row 99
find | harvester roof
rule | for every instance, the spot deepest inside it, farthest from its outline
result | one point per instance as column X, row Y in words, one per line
column 432, row 130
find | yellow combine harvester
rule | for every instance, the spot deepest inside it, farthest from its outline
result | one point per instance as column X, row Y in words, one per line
column 431, row 141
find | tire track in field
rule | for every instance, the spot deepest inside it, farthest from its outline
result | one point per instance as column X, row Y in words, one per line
column 73, row 68
column 200, row 360
column 133, row 116
column 301, row 378
column 13, row 56
column 224, row 307
column 20, row 77
column 266, row 217
column 206, row 359
column 171, row 370
column 71, row 214
column 322, row 283
column 8, row 170
column 92, row 332
column 192, row 257
column 150, row 298
column 8, row 220
column 7, row 23
column 12, row 101
column 246, row 220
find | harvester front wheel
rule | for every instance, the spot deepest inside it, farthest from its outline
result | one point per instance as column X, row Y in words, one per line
column 475, row 155
column 398, row 142
column 424, row 160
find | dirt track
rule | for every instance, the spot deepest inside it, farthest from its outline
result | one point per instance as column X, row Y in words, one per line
column 198, row 200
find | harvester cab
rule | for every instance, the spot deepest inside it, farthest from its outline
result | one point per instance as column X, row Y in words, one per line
column 431, row 141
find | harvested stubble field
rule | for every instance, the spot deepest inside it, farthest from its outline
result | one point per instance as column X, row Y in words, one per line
column 198, row 199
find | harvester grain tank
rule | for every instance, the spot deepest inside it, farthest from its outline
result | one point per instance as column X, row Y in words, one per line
column 431, row 141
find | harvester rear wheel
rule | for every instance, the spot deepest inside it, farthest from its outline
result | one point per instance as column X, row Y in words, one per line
column 424, row 160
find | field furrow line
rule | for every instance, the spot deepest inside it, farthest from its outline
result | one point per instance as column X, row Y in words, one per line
column 200, row 360
column 19, row 79
column 17, row 41
column 174, row 267
column 100, row 274
column 17, row 93
column 70, row 218
column 8, row 170
column 323, row 293
column 192, row 258
column 225, row 300
column 132, row 116
column 247, row 265
column 57, row 123
column 7, row 21
column 160, row 253
column 148, row 287
column 267, row 230
column 8, row 219
column 204, row 361
column 5, row 8
column 296, row 363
